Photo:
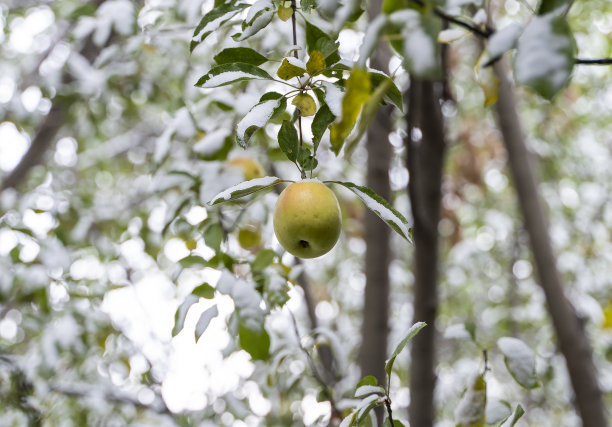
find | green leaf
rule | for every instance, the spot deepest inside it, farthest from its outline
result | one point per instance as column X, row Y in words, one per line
column 547, row 6
column 213, row 236
column 240, row 54
column 258, row 116
column 367, row 380
column 307, row 5
column 471, row 411
column 357, row 93
column 306, row 104
column 193, row 261
column 214, row 19
column 414, row 329
column 317, row 39
column 256, row 22
column 290, row 68
column 545, row 55
column 225, row 74
column 315, row 63
column 204, row 320
column 288, row 140
column 520, row 361
column 204, row 291
column 512, row 419
column 181, row 313
column 380, row 207
column 244, row 189
column 306, row 160
column 392, row 94
column 263, row 259
column 320, row 123
column 254, row 342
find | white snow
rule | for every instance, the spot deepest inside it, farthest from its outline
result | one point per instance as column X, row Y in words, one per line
column 520, row 360
column 371, row 38
column 472, row 405
column 227, row 77
column 365, row 390
column 385, row 213
column 457, row 331
column 258, row 116
column 213, row 25
column 541, row 52
column 257, row 182
column 296, row 62
column 419, row 48
column 333, row 98
column 258, row 23
column 205, row 319
column 258, row 6
column 504, row 39
column 212, row 142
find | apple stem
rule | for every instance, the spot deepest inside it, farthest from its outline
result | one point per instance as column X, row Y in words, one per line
column 295, row 54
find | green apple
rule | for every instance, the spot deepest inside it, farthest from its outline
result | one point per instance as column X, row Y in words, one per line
column 250, row 167
column 307, row 219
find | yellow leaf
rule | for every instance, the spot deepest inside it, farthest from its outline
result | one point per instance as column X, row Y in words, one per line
column 315, row 63
column 288, row 70
column 358, row 88
column 487, row 80
column 306, row 104
column 607, row 320
column 284, row 13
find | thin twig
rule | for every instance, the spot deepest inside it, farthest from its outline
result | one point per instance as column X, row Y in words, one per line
column 315, row 372
column 601, row 61
column 389, row 411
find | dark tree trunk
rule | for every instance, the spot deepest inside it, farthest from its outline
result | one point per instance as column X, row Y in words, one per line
column 425, row 153
column 572, row 339
column 375, row 328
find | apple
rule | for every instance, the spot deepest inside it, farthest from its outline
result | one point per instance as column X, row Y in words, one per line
column 250, row 167
column 307, row 219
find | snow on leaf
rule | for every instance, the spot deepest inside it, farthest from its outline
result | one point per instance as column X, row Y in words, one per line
column 497, row 411
column 414, row 329
column 503, row 40
column 545, row 54
column 452, row 34
column 380, row 207
column 204, row 321
column 366, row 390
column 333, row 98
column 244, row 189
column 371, row 39
column 258, row 17
column 213, row 20
column 520, row 361
column 181, row 313
column 212, row 142
column 290, row 68
column 471, row 409
column 512, row 419
column 256, row 118
column 229, row 73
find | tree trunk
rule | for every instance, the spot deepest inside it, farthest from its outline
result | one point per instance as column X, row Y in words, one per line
column 375, row 327
column 425, row 153
column 570, row 334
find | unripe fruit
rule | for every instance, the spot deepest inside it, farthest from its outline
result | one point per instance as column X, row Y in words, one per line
column 307, row 219
column 250, row 167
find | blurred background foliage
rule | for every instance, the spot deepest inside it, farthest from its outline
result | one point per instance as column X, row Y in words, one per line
column 104, row 239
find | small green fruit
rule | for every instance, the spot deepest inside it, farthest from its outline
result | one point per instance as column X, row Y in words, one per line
column 307, row 219
column 250, row 167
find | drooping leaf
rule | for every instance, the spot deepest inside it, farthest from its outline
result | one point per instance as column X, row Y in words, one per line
column 306, row 104
column 284, row 13
column 258, row 117
column 320, row 123
column 372, row 36
column 212, row 20
column 545, row 54
column 291, row 67
column 258, row 17
column 414, row 329
column 204, row 320
column 316, row 62
column 317, row 39
column 520, row 361
column 244, row 189
column 512, row 419
column 240, row 54
column 487, row 80
column 357, row 93
column 392, row 94
column 256, row 342
column 181, row 313
column 380, row 207
column 306, row 160
column 204, row 291
column 225, row 74
column 288, row 140
column 471, row 410
column 213, row 236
